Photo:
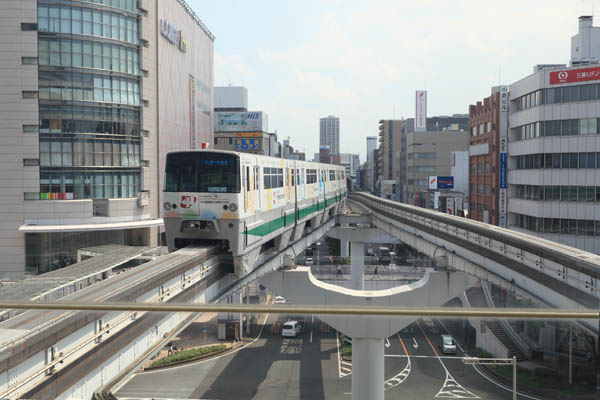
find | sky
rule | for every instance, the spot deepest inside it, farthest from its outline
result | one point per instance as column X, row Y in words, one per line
column 363, row 60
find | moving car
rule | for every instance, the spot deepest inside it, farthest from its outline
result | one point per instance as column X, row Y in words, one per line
column 309, row 261
column 291, row 329
column 447, row 344
column 278, row 300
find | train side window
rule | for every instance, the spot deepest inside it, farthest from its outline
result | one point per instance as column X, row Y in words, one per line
column 293, row 176
column 267, row 178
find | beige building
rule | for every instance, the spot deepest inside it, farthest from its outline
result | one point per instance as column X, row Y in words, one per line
column 388, row 181
column 428, row 154
column 92, row 95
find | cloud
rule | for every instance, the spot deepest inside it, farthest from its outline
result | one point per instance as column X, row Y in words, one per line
column 362, row 60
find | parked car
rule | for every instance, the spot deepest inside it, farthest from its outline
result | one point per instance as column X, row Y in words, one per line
column 279, row 300
column 308, row 261
column 447, row 344
column 291, row 329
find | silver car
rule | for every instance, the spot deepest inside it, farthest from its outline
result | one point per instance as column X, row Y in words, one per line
column 447, row 344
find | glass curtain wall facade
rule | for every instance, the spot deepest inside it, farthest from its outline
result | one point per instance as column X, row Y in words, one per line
column 89, row 99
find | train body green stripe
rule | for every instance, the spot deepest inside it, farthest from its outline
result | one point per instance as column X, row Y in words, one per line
column 280, row 222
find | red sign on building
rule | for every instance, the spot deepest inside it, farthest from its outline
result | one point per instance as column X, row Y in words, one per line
column 576, row 75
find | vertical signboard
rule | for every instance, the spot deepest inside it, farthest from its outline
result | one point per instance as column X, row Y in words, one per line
column 503, row 98
column 421, row 110
column 450, row 206
column 502, row 200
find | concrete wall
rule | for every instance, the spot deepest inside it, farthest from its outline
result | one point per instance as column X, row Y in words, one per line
column 175, row 69
column 15, row 111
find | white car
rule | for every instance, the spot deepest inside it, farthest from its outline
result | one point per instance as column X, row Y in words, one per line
column 278, row 300
column 291, row 329
column 309, row 261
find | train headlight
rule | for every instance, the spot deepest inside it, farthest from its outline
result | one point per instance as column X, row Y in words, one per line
column 233, row 207
column 167, row 205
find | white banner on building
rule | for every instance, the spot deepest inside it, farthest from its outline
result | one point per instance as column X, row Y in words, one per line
column 421, row 110
column 504, row 98
column 450, row 206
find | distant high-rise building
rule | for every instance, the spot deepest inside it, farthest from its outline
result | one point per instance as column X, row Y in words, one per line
column 371, row 146
column 329, row 128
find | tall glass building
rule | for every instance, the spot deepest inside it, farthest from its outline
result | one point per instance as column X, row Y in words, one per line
column 88, row 103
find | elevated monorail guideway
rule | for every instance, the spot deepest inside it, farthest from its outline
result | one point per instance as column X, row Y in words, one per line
column 38, row 347
column 559, row 275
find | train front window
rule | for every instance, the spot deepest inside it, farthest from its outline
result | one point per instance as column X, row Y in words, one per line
column 202, row 173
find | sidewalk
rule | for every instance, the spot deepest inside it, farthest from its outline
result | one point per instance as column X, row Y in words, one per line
column 194, row 336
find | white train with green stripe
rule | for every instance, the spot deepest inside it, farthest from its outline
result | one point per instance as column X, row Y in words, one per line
column 247, row 201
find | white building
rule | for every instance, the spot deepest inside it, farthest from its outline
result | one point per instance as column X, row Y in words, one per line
column 329, row 133
column 93, row 96
column 554, row 147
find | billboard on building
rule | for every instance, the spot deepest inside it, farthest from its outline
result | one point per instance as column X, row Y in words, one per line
column 577, row 75
column 503, row 195
column 441, row 182
column 248, row 144
column 421, row 110
column 241, row 121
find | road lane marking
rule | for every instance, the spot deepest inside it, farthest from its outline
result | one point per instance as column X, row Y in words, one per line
column 387, row 343
column 311, row 336
column 403, row 375
column 416, row 345
column 476, row 368
column 451, row 388
column 344, row 367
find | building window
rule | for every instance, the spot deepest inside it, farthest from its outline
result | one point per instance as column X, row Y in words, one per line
column 29, row 60
column 474, row 169
column 480, row 169
column 421, row 168
column 30, row 94
column 29, row 26
column 481, row 131
column 421, row 156
column 488, row 189
column 85, row 21
column 31, row 162
column 480, row 188
column 31, row 128
column 473, row 188
column 487, row 168
column 474, row 131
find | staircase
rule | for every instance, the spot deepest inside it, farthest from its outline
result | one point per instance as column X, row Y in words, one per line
column 477, row 299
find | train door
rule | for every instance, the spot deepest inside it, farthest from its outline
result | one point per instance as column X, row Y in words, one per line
column 257, row 184
column 246, row 185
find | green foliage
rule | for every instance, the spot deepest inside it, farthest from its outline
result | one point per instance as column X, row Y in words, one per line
column 188, row 354
column 334, row 246
column 346, row 347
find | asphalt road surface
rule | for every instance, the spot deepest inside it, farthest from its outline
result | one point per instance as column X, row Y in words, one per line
column 310, row 367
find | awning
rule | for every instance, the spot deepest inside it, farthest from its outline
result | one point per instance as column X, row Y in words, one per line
column 146, row 223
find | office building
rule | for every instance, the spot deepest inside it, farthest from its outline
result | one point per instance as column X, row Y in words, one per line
column 429, row 154
column 389, row 157
column 94, row 93
column 329, row 133
column 554, row 147
column 370, row 173
column 231, row 98
column 324, row 154
column 488, row 126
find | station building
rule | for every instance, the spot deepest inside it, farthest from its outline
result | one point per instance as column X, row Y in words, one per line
column 92, row 95
column 554, row 147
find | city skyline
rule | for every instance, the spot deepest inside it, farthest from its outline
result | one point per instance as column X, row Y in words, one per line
column 345, row 67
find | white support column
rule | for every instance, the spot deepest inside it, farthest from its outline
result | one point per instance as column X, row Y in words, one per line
column 367, row 369
column 343, row 248
column 357, row 262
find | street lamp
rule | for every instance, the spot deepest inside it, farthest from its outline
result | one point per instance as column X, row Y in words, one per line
column 496, row 361
column 318, row 258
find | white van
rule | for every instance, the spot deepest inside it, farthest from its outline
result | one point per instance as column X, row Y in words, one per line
column 291, row 329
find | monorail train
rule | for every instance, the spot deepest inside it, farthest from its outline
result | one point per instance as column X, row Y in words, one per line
column 246, row 200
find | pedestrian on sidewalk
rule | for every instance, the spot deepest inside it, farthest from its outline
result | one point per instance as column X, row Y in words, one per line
column 339, row 270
